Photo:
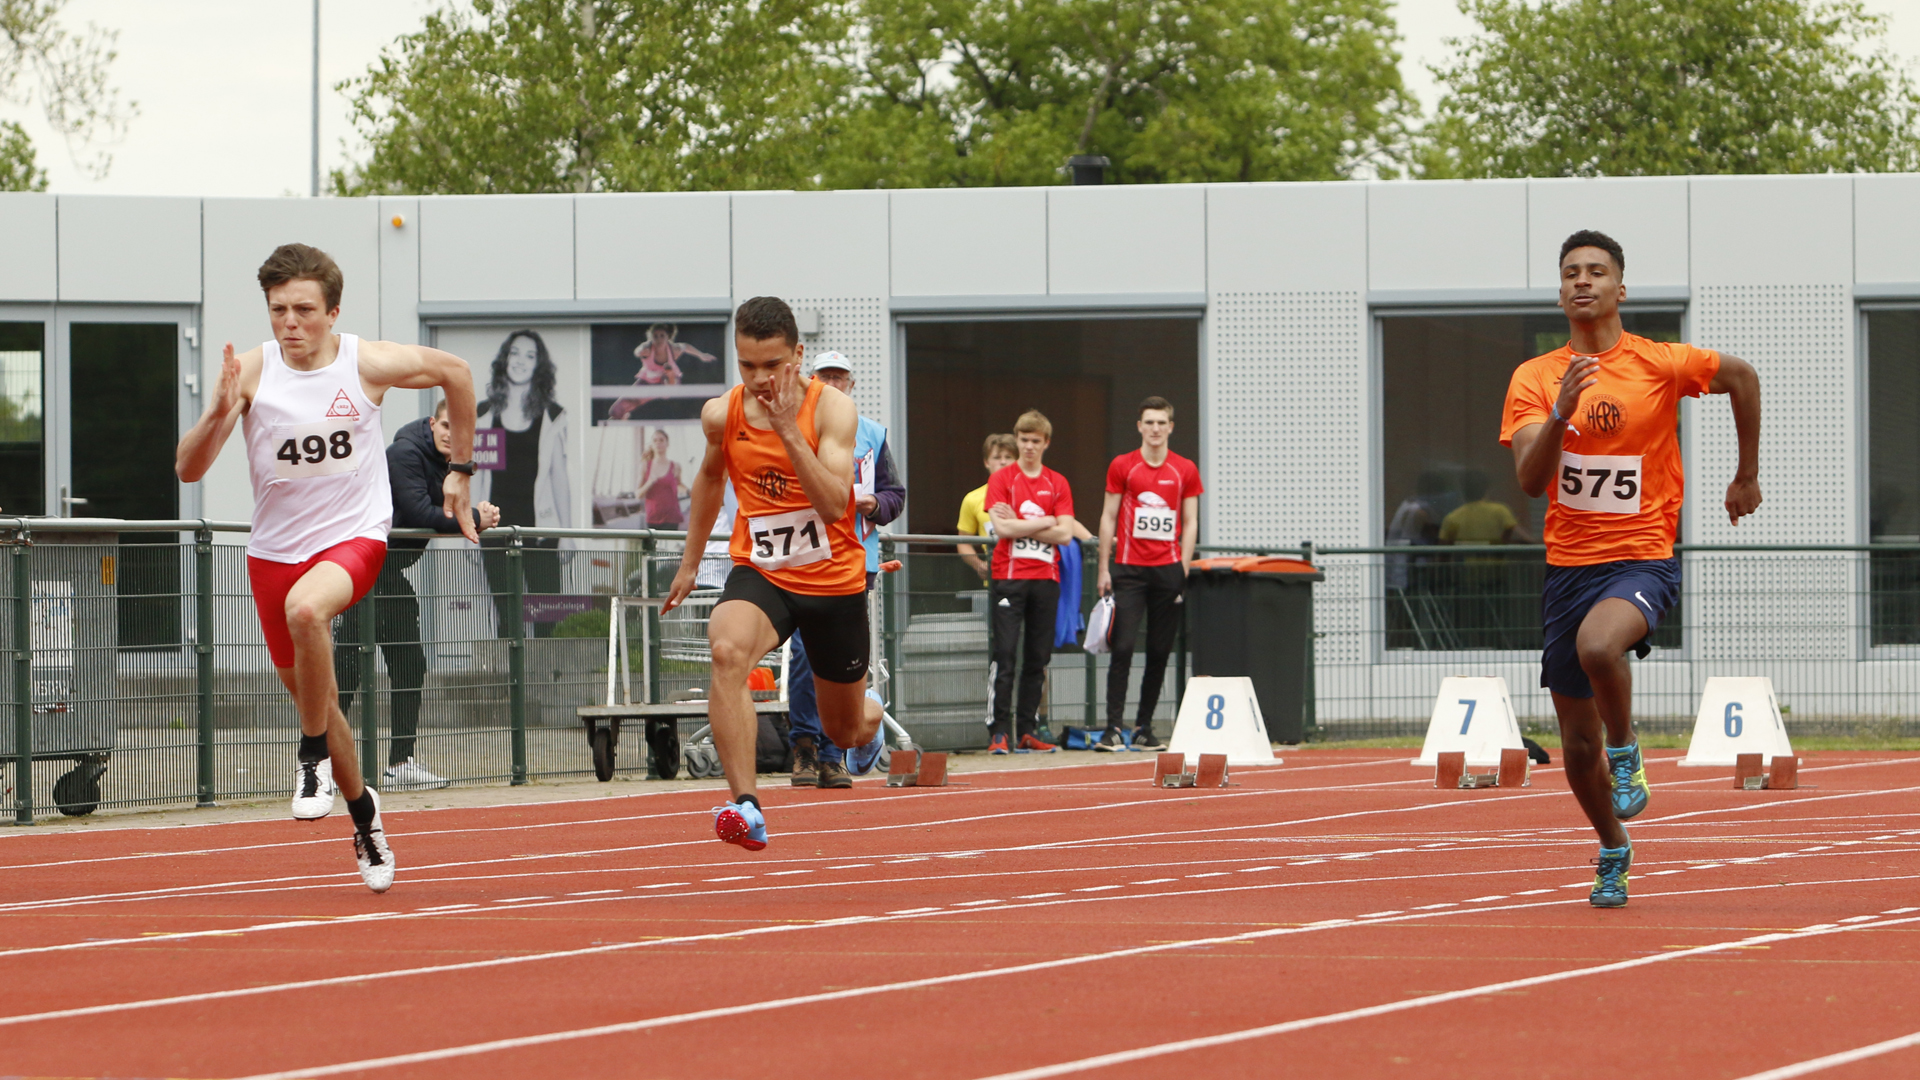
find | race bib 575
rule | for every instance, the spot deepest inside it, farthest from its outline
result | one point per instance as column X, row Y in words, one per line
column 1609, row 484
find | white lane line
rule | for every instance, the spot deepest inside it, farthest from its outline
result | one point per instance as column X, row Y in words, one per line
column 597, row 892
column 1215, row 873
column 1380, row 914
column 913, row 911
column 1156, row 881
column 1039, row 895
column 790, row 873
column 1254, row 869
column 1437, row 907
column 1097, row 888
column 1845, row 1057
column 737, row 877
column 652, row 1023
column 970, row 903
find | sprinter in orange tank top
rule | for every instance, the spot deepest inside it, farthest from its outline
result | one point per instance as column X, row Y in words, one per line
column 1593, row 425
column 786, row 442
column 310, row 403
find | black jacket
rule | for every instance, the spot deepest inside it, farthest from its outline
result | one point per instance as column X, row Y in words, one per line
column 418, row 472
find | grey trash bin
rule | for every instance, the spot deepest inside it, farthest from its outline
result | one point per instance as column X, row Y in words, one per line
column 1254, row 617
column 73, row 625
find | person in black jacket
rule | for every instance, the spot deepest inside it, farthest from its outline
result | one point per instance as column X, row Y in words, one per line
column 416, row 468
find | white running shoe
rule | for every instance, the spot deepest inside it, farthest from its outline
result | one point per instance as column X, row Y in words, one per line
column 313, row 790
column 370, row 850
column 410, row 775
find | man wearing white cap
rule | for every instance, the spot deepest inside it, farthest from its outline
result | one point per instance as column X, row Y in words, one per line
column 878, row 499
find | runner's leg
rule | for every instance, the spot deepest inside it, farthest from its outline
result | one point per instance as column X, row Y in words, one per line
column 803, row 704
column 843, row 713
column 1009, row 606
column 1585, row 756
column 1164, row 609
column 1606, row 634
column 1129, row 607
column 739, row 634
column 320, row 594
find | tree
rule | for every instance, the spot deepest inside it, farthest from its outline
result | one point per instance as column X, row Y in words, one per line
column 1663, row 87
column 66, row 74
column 953, row 92
column 592, row 95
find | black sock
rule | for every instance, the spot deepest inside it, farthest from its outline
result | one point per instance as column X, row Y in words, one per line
column 362, row 808
column 749, row 797
column 313, row 747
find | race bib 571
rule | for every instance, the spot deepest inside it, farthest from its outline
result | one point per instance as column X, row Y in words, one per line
column 1609, row 484
column 784, row 540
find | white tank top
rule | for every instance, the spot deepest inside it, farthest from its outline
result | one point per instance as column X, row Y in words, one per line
column 317, row 457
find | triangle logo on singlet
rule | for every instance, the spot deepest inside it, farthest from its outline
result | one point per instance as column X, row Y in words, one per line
column 342, row 407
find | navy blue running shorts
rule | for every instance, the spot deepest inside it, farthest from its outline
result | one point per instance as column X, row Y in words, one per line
column 1571, row 591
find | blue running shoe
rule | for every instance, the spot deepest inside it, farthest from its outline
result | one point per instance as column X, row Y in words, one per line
column 1629, row 780
column 741, row 823
column 860, row 759
column 1610, row 884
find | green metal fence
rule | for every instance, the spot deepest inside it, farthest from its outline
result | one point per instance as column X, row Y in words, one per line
column 139, row 676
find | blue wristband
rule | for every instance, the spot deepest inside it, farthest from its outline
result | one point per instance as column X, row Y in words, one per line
column 1556, row 415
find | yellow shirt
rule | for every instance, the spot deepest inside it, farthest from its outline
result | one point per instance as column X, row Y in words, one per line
column 974, row 520
column 1483, row 522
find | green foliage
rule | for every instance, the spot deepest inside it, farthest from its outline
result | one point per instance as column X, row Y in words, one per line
column 615, row 95
column 566, row 95
column 1665, row 87
column 588, row 624
column 19, row 170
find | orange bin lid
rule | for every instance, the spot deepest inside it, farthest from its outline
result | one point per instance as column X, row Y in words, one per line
column 1259, row 565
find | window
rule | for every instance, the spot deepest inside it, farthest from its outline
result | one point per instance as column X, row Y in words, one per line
column 1447, row 481
column 1893, row 478
column 22, row 419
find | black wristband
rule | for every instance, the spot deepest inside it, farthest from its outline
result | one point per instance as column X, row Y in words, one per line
column 464, row 467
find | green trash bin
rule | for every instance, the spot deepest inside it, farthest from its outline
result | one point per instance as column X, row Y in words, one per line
column 1254, row 617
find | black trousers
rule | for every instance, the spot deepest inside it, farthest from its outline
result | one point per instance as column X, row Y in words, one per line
column 396, row 628
column 539, row 568
column 1155, row 594
column 1027, row 604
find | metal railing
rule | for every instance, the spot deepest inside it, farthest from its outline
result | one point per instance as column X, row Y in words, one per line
column 139, row 676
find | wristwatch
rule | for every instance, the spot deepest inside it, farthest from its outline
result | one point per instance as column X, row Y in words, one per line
column 461, row 467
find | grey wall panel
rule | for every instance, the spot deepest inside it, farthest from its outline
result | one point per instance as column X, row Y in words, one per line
column 1454, row 234
column 1127, row 239
column 829, row 243
column 1886, row 228
column 238, row 236
column 980, row 241
column 399, row 270
column 1287, row 435
column 1772, row 230
column 496, row 247
column 1648, row 215
column 1286, row 237
column 651, row 246
column 129, row 250
column 28, row 234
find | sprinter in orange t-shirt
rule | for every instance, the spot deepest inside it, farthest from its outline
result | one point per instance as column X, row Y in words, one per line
column 786, row 442
column 1595, row 422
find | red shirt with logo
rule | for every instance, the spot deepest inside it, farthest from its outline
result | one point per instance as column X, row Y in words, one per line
column 1046, row 495
column 1148, row 532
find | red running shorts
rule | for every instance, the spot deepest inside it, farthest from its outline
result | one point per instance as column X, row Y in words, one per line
column 272, row 581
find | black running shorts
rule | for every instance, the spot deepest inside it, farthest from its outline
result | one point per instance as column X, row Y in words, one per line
column 834, row 627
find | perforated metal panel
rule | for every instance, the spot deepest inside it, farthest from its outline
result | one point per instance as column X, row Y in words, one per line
column 1800, row 339
column 857, row 327
column 1288, row 418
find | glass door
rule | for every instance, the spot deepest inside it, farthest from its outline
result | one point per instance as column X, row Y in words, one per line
column 23, row 448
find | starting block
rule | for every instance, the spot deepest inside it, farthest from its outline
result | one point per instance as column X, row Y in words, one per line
column 1170, row 771
column 1450, row 771
column 1749, row 774
column 917, row 768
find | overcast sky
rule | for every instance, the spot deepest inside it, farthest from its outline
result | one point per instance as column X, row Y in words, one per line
column 223, row 85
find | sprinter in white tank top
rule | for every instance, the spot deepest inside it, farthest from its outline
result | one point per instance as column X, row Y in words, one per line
column 310, row 400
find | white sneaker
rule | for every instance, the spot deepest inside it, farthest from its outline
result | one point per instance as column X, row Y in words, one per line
column 411, row 776
column 370, row 850
column 313, row 790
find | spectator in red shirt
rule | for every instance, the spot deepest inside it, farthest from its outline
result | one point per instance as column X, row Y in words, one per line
column 1148, row 525
column 1032, row 510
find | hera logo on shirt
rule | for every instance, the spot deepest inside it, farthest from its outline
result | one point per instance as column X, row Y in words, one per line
column 1604, row 416
column 342, row 408
column 772, row 483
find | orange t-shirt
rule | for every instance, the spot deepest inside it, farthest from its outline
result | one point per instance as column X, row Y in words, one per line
column 1618, row 489
column 777, row 530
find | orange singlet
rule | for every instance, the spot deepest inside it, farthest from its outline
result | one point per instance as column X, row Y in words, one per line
column 777, row 531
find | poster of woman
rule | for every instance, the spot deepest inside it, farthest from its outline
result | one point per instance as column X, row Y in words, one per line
column 642, row 473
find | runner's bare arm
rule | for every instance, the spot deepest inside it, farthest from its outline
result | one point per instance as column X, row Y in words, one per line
column 827, row 475
column 1737, row 379
column 239, row 378
column 1109, row 522
column 1536, row 460
column 709, row 490
column 386, row 364
column 1010, row 526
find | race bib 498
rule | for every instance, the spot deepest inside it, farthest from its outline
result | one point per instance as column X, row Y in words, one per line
column 1608, row 484
column 322, row 448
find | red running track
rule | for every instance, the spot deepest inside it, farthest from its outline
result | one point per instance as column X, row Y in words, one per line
column 1333, row 916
